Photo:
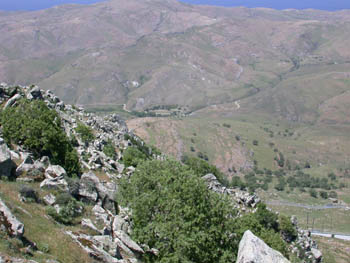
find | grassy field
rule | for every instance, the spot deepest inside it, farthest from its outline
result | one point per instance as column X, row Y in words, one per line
column 334, row 250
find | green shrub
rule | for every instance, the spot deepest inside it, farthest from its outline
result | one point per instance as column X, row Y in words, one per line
column 132, row 156
column 287, row 229
column 109, row 149
column 38, row 128
column 333, row 194
column 85, row 132
column 324, row 194
column 174, row 212
column 313, row 193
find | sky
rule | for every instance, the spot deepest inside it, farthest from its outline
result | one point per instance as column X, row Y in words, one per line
column 14, row 5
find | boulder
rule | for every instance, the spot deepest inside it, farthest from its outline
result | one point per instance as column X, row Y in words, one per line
column 88, row 187
column 31, row 170
column 253, row 250
column 54, row 171
column 87, row 223
column 6, row 163
column 12, row 100
column 58, row 183
column 13, row 227
column 91, row 189
column 34, row 94
column 127, row 241
column 49, row 199
column 317, row 255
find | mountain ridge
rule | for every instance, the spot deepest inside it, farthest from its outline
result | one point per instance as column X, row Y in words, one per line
column 153, row 53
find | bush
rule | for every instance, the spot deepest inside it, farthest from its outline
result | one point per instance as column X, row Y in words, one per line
column 132, row 156
column 324, row 194
column 174, row 212
column 287, row 229
column 38, row 128
column 85, row 133
column 333, row 194
column 313, row 193
column 109, row 150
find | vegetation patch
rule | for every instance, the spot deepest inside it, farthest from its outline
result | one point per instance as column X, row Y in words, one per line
column 38, row 128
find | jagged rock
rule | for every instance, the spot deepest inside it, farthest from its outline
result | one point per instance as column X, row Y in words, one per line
column 55, row 183
column 54, row 171
column 6, row 163
column 12, row 100
column 317, row 255
column 13, row 227
column 9, row 91
column 49, row 199
column 32, row 170
column 253, row 250
column 87, row 223
column 101, row 214
column 34, row 94
column 119, row 224
column 88, row 187
column 128, row 242
column 93, row 248
column 92, row 189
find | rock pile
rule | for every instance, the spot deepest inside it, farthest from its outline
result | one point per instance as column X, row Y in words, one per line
column 110, row 223
column 242, row 199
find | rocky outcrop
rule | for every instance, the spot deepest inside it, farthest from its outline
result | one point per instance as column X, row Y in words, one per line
column 92, row 190
column 238, row 196
column 9, row 222
column 6, row 164
column 253, row 250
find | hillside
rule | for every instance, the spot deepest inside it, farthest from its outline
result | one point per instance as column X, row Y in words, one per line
column 76, row 187
column 293, row 64
column 257, row 97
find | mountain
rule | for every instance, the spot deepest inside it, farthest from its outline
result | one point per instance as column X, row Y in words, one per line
column 290, row 63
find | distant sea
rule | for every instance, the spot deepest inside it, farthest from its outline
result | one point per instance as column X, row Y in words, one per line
column 331, row 5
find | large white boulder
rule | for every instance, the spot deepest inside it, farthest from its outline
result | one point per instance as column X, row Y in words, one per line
column 13, row 227
column 254, row 250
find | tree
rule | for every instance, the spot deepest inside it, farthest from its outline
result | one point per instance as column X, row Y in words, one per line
column 174, row 212
column 313, row 193
column 324, row 194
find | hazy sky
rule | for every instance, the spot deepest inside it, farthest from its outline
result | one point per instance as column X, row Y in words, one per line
column 277, row 4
